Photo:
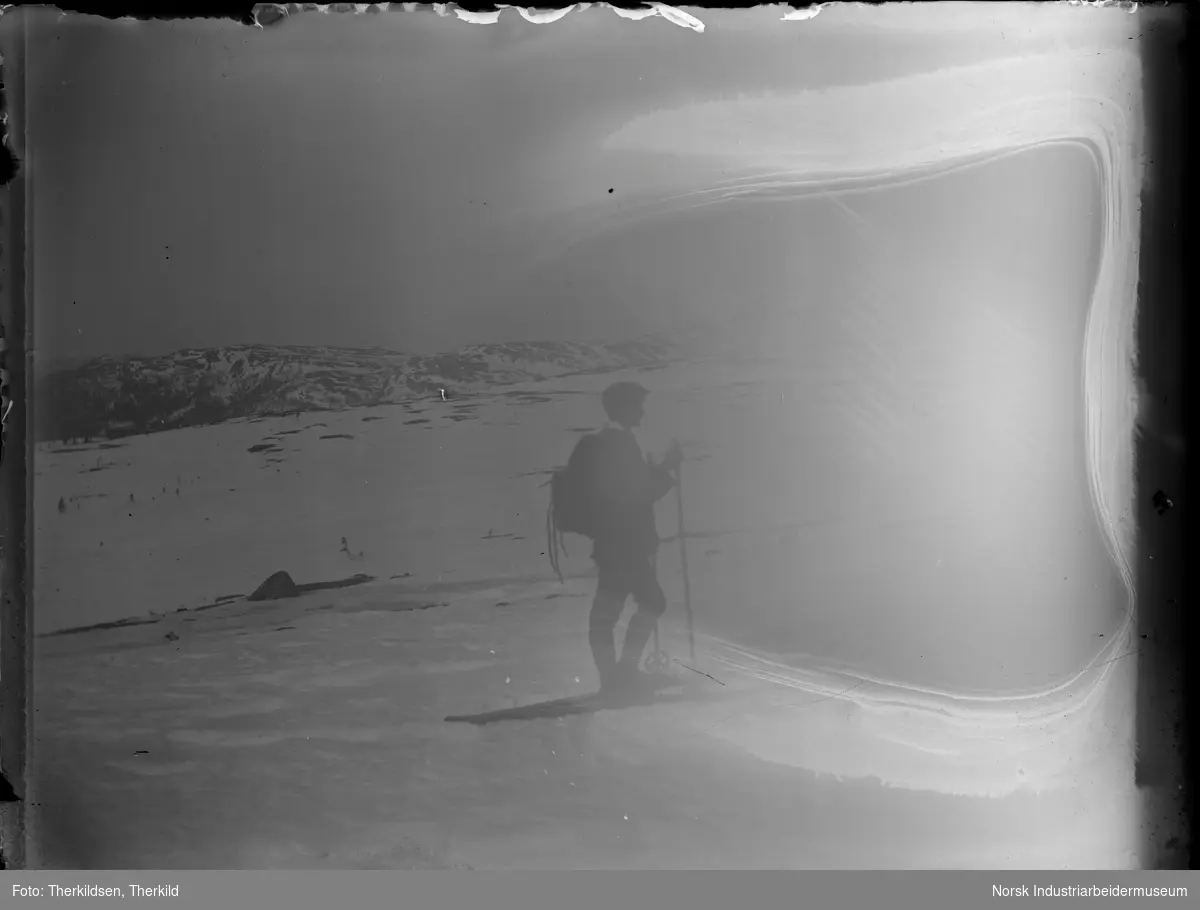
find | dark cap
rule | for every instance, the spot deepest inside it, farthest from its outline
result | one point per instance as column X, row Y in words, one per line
column 620, row 396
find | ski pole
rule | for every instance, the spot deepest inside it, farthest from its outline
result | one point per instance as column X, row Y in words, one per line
column 687, row 587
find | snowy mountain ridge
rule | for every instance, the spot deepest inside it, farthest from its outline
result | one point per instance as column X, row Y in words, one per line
column 121, row 396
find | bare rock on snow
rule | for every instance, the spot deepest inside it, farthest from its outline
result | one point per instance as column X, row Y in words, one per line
column 278, row 586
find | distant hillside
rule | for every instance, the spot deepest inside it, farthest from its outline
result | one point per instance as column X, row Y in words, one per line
column 121, row 396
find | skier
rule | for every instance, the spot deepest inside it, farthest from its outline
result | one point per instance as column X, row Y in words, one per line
column 607, row 492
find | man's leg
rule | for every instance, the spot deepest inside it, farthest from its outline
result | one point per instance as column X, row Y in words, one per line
column 651, row 604
column 611, row 592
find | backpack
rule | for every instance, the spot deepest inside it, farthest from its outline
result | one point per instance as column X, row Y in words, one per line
column 574, row 497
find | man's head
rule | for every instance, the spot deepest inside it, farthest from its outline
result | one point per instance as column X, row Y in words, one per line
column 624, row 403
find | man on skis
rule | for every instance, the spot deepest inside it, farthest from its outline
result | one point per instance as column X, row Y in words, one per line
column 621, row 488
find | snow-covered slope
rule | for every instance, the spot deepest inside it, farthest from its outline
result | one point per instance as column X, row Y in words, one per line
column 118, row 396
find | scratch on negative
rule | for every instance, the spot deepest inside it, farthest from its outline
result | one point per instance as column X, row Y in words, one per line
column 791, row 704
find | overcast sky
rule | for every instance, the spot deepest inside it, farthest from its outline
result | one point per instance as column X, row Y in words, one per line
column 373, row 180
